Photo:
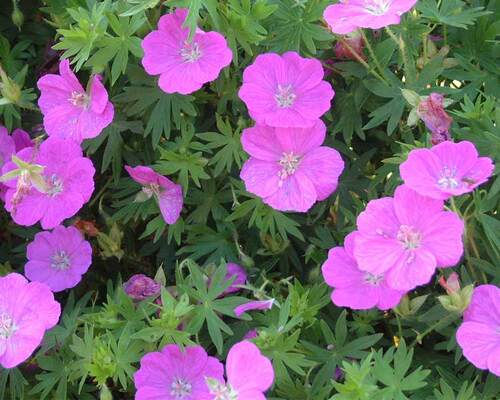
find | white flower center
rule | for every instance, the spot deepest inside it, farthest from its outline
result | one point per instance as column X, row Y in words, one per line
column 371, row 279
column 7, row 326
column 285, row 97
column 60, row 261
column 289, row 163
column 191, row 52
column 180, row 389
column 409, row 237
column 447, row 178
column 79, row 99
column 221, row 391
column 55, row 185
column 151, row 189
column 377, row 7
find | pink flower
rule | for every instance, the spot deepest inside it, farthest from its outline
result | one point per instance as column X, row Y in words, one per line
column 254, row 305
column 240, row 277
column 288, row 168
column 68, row 181
column 356, row 43
column 249, row 374
column 478, row 336
column 407, row 237
column 58, row 258
column 431, row 111
column 286, row 91
column 448, row 169
column 183, row 65
column 27, row 310
column 349, row 15
column 68, row 110
column 9, row 145
column 173, row 374
column 140, row 287
column 167, row 194
column 359, row 290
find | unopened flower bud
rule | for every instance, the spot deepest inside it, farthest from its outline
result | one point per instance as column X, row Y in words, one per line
column 431, row 111
column 350, row 47
column 140, row 287
column 17, row 16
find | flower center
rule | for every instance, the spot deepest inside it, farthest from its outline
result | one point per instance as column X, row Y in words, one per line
column 371, row 279
column 79, row 99
column 7, row 326
column 55, row 186
column 285, row 97
column 191, row 52
column 377, row 7
column 447, row 178
column 151, row 189
column 221, row 391
column 409, row 237
column 60, row 261
column 180, row 389
column 289, row 163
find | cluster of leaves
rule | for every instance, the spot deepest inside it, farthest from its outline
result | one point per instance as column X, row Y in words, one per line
column 409, row 352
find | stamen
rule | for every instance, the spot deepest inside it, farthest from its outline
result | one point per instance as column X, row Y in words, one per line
column 409, row 237
column 285, row 97
column 289, row 163
column 79, row 99
column 60, row 261
column 180, row 389
column 377, row 7
column 191, row 52
column 7, row 326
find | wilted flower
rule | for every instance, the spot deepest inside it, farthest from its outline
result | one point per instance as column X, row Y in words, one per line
column 87, row 227
column 249, row 374
column 68, row 110
column 251, row 334
column 407, row 237
column 288, row 167
column 184, row 64
column 286, row 91
column 353, row 288
column 58, row 258
column 174, row 374
column 27, row 310
column 446, row 170
column 349, row 15
column 167, row 194
column 254, row 305
column 431, row 111
column 140, row 287
column 63, row 184
column 478, row 336
column 351, row 42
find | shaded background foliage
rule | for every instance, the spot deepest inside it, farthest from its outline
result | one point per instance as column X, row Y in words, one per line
column 195, row 140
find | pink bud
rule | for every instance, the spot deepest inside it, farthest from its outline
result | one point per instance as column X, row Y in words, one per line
column 356, row 43
column 140, row 287
column 452, row 284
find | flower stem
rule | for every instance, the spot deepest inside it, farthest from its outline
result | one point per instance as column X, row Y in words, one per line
column 409, row 75
column 372, row 54
column 442, row 322
column 361, row 61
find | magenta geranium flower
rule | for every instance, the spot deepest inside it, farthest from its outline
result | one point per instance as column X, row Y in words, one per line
column 184, row 65
column 58, row 258
column 67, row 184
column 445, row 170
column 249, row 374
column 27, row 310
column 286, row 91
column 254, row 305
column 431, row 111
column 479, row 334
column 353, row 288
column 349, row 15
column 9, row 145
column 288, row 168
column 407, row 237
column 140, row 287
column 238, row 273
column 173, row 374
column 167, row 194
column 68, row 110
